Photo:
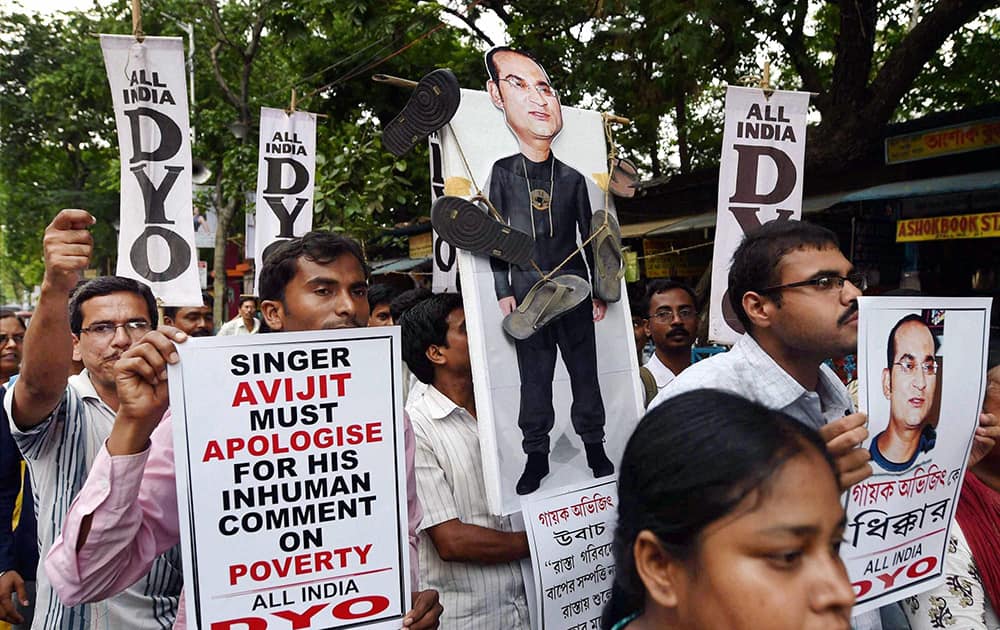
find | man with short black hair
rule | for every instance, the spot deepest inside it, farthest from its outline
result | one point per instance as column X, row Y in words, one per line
column 245, row 322
column 197, row 321
column 469, row 555
column 379, row 300
column 671, row 312
column 128, row 507
column 12, row 330
column 60, row 422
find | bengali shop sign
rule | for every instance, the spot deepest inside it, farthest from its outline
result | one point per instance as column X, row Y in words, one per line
column 983, row 225
column 922, row 379
column 570, row 536
column 289, row 449
column 982, row 134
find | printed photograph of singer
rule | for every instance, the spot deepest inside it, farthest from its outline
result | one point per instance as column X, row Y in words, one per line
column 911, row 383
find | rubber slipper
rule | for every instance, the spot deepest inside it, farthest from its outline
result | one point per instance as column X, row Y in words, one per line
column 466, row 226
column 433, row 103
column 624, row 177
column 607, row 248
column 546, row 301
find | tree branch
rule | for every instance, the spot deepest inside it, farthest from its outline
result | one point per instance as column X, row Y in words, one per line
column 220, row 33
column 469, row 22
column 217, row 71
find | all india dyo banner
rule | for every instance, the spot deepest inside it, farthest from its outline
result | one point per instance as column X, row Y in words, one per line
column 291, row 480
column 286, row 174
column 570, row 535
column 922, row 377
column 760, row 180
column 156, row 243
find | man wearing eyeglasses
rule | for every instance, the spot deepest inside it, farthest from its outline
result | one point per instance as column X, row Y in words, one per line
column 536, row 193
column 60, row 422
column 909, row 382
column 671, row 313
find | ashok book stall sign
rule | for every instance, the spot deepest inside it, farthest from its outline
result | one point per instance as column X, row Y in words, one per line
column 983, row 225
column 922, row 366
column 981, row 134
column 286, row 168
column 760, row 180
column 291, row 482
column 156, row 241
column 570, row 535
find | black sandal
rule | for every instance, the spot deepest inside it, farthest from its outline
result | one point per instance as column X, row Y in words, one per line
column 466, row 226
column 433, row 103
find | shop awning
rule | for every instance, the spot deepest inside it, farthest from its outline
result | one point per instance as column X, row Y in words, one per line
column 398, row 265
column 638, row 230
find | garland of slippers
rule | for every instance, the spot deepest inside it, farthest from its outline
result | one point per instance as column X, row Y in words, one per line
column 475, row 225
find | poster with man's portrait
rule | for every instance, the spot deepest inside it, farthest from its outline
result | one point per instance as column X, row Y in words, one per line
column 556, row 405
column 922, row 371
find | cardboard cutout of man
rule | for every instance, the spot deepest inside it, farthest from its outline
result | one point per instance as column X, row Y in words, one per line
column 909, row 382
column 536, row 193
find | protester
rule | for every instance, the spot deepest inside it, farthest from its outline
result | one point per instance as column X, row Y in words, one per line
column 469, row 555
column 18, row 534
column 970, row 596
column 412, row 387
column 12, row 330
column 909, row 382
column 380, row 296
column 127, row 511
column 671, row 312
column 196, row 321
column 716, row 528
column 245, row 322
column 60, row 422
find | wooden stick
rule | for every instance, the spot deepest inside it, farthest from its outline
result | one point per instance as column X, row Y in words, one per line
column 137, row 21
column 391, row 80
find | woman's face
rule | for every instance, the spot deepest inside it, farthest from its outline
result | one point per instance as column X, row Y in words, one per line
column 772, row 562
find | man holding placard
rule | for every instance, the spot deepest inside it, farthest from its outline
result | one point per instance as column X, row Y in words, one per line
column 316, row 282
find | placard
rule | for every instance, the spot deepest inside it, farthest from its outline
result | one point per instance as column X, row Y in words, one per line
column 291, row 480
column 444, row 277
column 760, row 180
column 156, row 245
column 286, row 174
column 570, row 534
column 922, row 366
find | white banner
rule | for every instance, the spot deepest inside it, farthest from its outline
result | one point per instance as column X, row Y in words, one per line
column 760, row 180
column 298, row 480
column 922, row 367
column 570, row 534
column 445, row 270
column 156, row 243
column 286, row 168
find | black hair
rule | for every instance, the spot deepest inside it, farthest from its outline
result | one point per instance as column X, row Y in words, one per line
column 662, row 285
column 424, row 325
column 282, row 263
column 757, row 259
column 407, row 300
column 207, row 299
column 491, row 67
column 690, row 462
column 381, row 294
column 6, row 312
column 106, row 285
column 890, row 350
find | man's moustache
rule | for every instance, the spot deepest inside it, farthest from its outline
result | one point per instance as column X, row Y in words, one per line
column 848, row 314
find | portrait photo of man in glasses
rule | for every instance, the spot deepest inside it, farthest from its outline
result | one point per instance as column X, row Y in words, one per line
column 910, row 384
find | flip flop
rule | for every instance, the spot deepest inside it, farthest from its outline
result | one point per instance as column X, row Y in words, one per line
column 433, row 103
column 546, row 301
column 624, row 177
column 607, row 248
column 466, row 226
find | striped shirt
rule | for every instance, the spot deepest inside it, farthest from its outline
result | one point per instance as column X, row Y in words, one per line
column 450, row 485
column 59, row 452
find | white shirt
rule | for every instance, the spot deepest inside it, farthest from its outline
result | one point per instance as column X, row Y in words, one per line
column 450, row 486
column 236, row 326
column 661, row 373
column 60, row 452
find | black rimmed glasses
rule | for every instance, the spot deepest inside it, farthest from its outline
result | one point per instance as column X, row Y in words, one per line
column 543, row 89
column 909, row 366
column 135, row 328
column 824, row 283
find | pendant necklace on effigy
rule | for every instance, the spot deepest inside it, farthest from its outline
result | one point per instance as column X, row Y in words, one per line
column 541, row 199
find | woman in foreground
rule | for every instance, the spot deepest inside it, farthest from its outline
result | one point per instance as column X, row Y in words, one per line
column 728, row 517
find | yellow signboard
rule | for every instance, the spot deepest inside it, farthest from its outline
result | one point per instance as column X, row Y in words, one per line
column 985, row 225
column 421, row 245
column 982, row 134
